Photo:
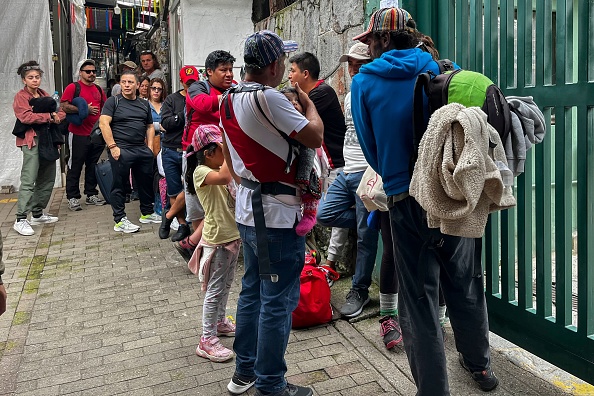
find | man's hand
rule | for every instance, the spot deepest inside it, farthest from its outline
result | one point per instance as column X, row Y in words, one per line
column 93, row 110
column 115, row 152
column 3, row 298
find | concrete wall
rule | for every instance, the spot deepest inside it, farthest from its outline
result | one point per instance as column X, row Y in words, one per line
column 212, row 25
column 324, row 28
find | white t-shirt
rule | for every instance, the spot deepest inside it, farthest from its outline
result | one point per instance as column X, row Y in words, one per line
column 259, row 153
column 354, row 159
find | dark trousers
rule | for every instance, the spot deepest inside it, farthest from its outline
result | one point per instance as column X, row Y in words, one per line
column 82, row 152
column 139, row 159
column 426, row 258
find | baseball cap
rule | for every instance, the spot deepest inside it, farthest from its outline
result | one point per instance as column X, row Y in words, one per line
column 206, row 134
column 264, row 47
column 129, row 64
column 188, row 73
column 386, row 20
column 87, row 62
column 357, row 51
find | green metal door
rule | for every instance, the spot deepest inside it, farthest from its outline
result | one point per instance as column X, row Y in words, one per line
column 539, row 257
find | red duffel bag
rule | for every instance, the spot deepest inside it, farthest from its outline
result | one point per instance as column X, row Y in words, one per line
column 314, row 301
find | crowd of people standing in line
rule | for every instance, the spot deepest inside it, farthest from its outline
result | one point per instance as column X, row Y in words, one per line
column 228, row 181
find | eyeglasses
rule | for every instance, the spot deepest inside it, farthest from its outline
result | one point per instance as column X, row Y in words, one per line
column 90, row 71
column 156, row 89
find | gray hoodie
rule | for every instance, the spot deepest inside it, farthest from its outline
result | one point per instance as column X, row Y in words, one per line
column 528, row 128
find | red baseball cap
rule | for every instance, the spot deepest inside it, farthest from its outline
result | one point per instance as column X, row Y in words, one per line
column 188, row 73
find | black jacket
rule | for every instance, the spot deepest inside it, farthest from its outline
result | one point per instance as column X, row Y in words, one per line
column 173, row 120
column 49, row 135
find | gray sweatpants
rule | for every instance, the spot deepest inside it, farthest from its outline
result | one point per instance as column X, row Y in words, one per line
column 222, row 271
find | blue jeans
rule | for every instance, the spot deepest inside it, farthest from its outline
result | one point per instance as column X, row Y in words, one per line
column 264, row 307
column 172, row 166
column 336, row 210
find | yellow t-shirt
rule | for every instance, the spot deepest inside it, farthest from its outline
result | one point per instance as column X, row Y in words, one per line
column 219, row 209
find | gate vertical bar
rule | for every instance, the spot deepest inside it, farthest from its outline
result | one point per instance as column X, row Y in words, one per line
column 585, row 158
column 563, row 161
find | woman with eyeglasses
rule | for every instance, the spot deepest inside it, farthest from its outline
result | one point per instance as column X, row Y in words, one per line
column 37, row 174
column 157, row 94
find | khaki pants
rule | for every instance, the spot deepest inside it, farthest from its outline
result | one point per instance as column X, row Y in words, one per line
column 37, row 182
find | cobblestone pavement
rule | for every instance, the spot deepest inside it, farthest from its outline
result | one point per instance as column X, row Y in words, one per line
column 95, row 312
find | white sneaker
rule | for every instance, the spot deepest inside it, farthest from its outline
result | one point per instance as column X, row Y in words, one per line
column 125, row 226
column 74, row 205
column 150, row 218
column 45, row 218
column 175, row 224
column 23, row 227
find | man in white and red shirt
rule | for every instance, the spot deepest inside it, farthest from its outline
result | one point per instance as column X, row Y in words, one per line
column 202, row 108
column 253, row 117
column 82, row 150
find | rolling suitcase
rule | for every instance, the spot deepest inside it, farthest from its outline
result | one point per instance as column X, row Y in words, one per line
column 104, row 179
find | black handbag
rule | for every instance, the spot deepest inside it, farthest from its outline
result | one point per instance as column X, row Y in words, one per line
column 96, row 136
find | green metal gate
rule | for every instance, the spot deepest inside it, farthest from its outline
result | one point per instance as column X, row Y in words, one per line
column 540, row 285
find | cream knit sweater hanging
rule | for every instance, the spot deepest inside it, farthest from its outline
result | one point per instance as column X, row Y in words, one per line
column 456, row 178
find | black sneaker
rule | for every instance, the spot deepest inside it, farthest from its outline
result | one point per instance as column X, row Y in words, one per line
column 185, row 253
column 290, row 390
column 390, row 331
column 182, row 232
column 165, row 227
column 240, row 383
column 134, row 196
column 354, row 304
column 486, row 379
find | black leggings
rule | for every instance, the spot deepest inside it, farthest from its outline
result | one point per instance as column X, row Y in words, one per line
column 388, row 278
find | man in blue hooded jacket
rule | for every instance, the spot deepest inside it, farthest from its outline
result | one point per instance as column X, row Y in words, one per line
column 382, row 108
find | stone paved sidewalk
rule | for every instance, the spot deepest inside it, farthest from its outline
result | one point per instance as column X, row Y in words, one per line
column 95, row 312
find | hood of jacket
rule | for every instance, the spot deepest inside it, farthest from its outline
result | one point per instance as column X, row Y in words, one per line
column 399, row 64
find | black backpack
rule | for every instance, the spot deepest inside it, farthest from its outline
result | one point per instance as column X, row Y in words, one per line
column 457, row 86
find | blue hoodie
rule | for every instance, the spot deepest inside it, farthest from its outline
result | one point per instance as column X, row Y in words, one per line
column 382, row 107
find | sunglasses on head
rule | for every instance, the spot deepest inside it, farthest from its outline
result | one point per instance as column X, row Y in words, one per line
column 90, row 71
column 27, row 68
column 157, row 89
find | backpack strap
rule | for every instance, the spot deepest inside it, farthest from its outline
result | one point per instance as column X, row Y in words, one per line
column 419, row 124
column 100, row 94
column 254, row 88
column 273, row 188
column 445, row 65
column 76, row 89
column 292, row 142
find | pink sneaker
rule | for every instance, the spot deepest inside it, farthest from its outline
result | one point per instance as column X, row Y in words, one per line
column 211, row 348
column 390, row 331
column 226, row 328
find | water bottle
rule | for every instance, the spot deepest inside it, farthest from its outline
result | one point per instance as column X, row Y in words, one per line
column 56, row 97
